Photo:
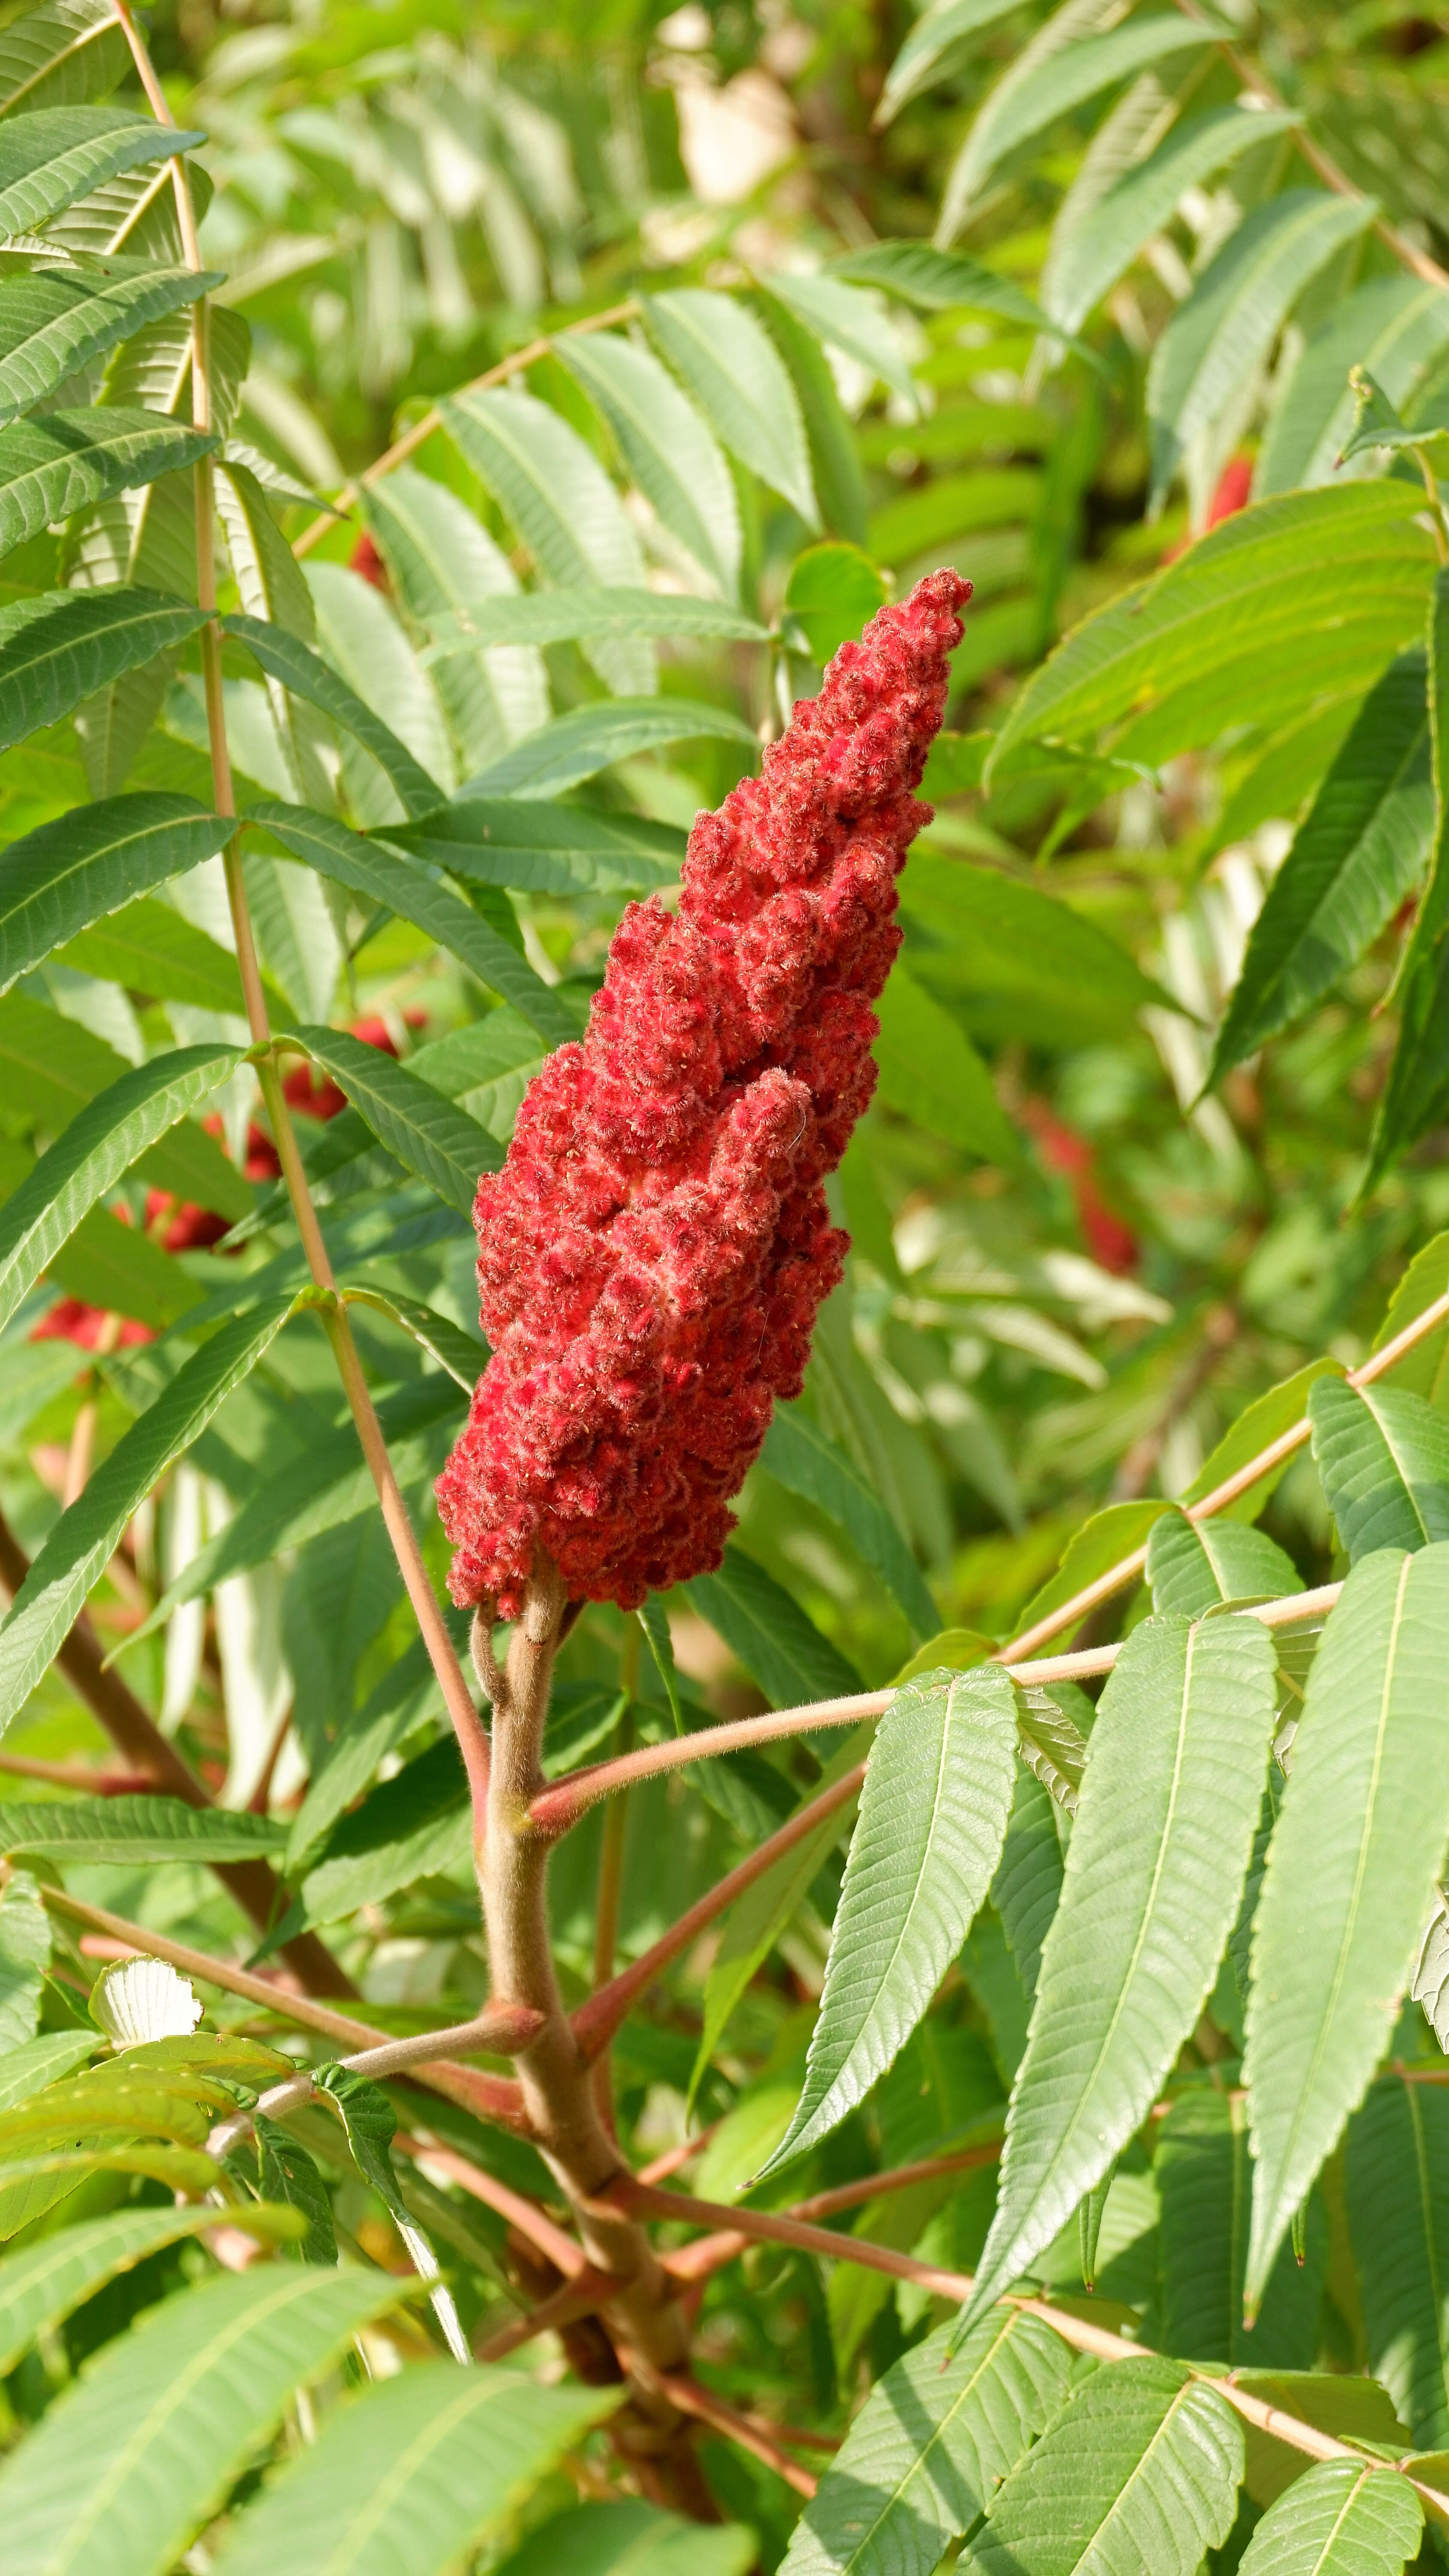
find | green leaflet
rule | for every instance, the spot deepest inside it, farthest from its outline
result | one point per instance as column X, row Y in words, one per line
column 1396, row 326
column 388, row 876
column 1383, row 1457
column 136, row 1828
column 370, row 2123
column 1417, row 1074
column 68, row 874
column 928, row 2449
column 933, row 1814
column 1204, row 2181
column 1349, row 1877
column 1064, row 64
column 573, row 747
column 545, row 848
column 981, row 932
column 667, row 446
column 1027, row 1888
column 412, row 2476
column 1154, row 1872
column 1360, row 851
column 99, row 1145
column 1338, row 2520
column 564, row 507
column 63, row 53
column 82, row 1541
column 773, row 1637
column 1229, row 323
column 627, row 2538
column 799, row 1455
column 462, row 1354
column 24, row 1958
column 561, row 616
column 288, row 2176
column 730, row 365
column 1107, row 239
column 849, row 321
column 413, row 1826
column 53, row 325
column 1257, row 1427
column 48, row 2280
column 54, row 155
column 1099, row 1544
column 936, row 280
column 439, row 1142
column 135, row 2456
column 1172, row 655
column 56, row 465
column 446, row 567
column 292, row 661
column 151, row 949
column 931, row 1073
column 27, row 2070
column 57, row 650
column 939, row 41
column 1139, row 2470
column 1397, row 2179
column 389, row 1712
column 1191, row 1565
column 835, row 464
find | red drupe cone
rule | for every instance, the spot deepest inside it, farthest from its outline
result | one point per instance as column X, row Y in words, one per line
column 657, row 1244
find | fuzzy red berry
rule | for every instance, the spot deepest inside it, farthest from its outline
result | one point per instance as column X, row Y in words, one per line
column 655, row 1250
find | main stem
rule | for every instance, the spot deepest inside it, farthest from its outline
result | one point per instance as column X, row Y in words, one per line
column 457, row 1697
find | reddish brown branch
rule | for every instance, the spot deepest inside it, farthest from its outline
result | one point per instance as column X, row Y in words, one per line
column 581, row 2297
column 747, row 2430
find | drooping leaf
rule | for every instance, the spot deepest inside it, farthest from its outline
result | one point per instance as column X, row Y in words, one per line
column 563, row 506
column 46, row 2281
column 413, row 2475
column 1340, row 2519
column 433, row 1138
column 932, row 1822
column 1397, row 2188
column 928, row 2449
column 1349, row 1877
column 84, row 1538
column 445, row 568
column 1237, row 308
column 136, row 1827
column 1060, row 67
column 729, row 364
column 24, row 1959
column 135, row 2456
column 773, row 1637
column 1240, row 628
column 799, row 1454
column 1140, row 2469
column 393, row 878
column 849, row 321
column 1383, row 1456
column 1192, row 1564
column 54, row 155
column 932, row 1074
column 1358, row 854
column 1027, row 1888
column 576, row 746
column 98, row 1146
column 289, row 2178
column 1153, row 1874
column 1106, row 240
column 292, row 661
column 1051, row 1731
column 1204, row 2180
column 65, row 460
column 54, row 325
column 72, row 872
column 667, row 446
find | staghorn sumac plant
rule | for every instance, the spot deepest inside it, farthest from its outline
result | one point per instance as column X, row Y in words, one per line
column 897, row 2017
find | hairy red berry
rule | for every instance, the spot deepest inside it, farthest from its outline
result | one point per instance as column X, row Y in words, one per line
column 657, row 1245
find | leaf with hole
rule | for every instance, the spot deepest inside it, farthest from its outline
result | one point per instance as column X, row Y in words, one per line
column 1154, row 1871
column 933, row 1813
column 1349, row 1878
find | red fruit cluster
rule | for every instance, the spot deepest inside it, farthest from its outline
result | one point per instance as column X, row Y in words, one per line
column 657, row 1245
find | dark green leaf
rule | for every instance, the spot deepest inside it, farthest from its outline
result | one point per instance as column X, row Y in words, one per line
column 931, row 1073
column 52, row 325
column 1027, row 1888
column 292, row 661
column 56, row 154
column 136, row 1828
column 57, row 650
column 414, row 1826
column 1397, row 2185
column 60, row 463
column 1383, row 1457
column 1204, row 2180
column 441, row 1143
column 72, row 872
column 773, row 1637
column 800, row 1456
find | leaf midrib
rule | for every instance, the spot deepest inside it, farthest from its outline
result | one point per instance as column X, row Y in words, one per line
column 938, row 2434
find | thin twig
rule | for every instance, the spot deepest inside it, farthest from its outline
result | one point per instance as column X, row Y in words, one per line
column 581, row 2297
column 422, row 430
column 562, row 2251
column 747, row 2430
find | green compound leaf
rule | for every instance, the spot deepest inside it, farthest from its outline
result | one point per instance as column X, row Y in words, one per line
column 66, row 460
column 1154, row 1872
column 1140, row 2470
column 929, row 2448
column 136, row 2455
column 1383, row 1456
column 438, row 1141
column 83, row 1540
column 933, row 1817
column 1338, row 2520
column 412, row 2476
column 92, row 861
column 98, row 1146
column 1349, row 1877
